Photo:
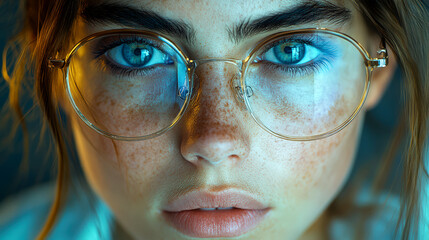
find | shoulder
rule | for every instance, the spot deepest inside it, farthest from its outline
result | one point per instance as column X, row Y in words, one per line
column 373, row 218
column 22, row 216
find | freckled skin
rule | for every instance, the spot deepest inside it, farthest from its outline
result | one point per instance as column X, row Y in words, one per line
column 297, row 180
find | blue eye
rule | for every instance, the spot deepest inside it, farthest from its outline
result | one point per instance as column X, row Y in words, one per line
column 136, row 54
column 291, row 53
column 133, row 54
column 299, row 55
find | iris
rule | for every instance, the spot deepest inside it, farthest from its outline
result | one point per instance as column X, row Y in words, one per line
column 289, row 52
column 137, row 54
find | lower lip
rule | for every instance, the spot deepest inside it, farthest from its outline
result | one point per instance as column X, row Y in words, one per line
column 216, row 223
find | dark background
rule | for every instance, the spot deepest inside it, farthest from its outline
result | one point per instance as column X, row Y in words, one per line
column 41, row 167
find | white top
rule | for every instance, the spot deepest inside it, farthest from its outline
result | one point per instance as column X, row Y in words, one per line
column 22, row 216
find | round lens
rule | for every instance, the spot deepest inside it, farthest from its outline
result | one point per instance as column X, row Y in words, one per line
column 305, row 84
column 128, row 85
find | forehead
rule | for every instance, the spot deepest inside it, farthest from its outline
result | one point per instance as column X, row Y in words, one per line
column 217, row 13
column 213, row 18
column 220, row 24
column 234, row 9
column 221, row 12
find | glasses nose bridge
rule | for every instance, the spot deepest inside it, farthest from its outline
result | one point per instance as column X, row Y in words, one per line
column 233, row 61
column 236, row 62
column 235, row 81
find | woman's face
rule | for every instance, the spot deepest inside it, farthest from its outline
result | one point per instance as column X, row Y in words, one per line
column 217, row 156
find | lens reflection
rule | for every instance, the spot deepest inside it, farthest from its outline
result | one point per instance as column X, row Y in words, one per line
column 127, row 85
column 305, row 84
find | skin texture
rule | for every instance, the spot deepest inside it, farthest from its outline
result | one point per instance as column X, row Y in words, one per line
column 217, row 145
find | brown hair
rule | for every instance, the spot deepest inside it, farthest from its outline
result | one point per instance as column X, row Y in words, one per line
column 404, row 25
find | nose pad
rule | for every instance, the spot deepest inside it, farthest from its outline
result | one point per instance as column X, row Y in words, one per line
column 182, row 92
column 239, row 93
column 238, row 90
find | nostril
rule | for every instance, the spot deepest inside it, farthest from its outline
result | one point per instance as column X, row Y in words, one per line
column 213, row 162
column 213, row 149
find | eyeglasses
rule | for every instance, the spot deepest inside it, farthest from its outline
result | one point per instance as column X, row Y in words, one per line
column 298, row 85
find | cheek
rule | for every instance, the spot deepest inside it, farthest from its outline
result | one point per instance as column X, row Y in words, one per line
column 310, row 174
column 146, row 164
column 130, row 163
column 324, row 164
column 128, row 176
column 127, row 173
column 308, row 105
column 125, row 105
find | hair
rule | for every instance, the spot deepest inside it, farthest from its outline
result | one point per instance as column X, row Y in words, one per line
column 402, row 23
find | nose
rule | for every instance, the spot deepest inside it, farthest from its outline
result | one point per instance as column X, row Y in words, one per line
column 214, row 130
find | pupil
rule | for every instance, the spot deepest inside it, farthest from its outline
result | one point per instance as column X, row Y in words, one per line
column 138, row 52
column 289, row 53
column 288, row 50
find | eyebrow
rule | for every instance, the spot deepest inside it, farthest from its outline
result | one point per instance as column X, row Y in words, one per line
column 305, row 12
column 137, row 18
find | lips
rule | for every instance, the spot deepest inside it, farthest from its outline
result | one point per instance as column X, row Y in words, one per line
column 221, row 214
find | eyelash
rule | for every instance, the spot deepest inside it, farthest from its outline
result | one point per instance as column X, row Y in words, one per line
column 300, row 70
column 315, row 65
column 126, row 72
column 107, row 44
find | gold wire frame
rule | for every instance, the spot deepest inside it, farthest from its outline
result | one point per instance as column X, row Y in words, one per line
column 243, row 65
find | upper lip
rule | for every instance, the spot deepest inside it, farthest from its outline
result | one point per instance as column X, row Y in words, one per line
column 205, row 199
